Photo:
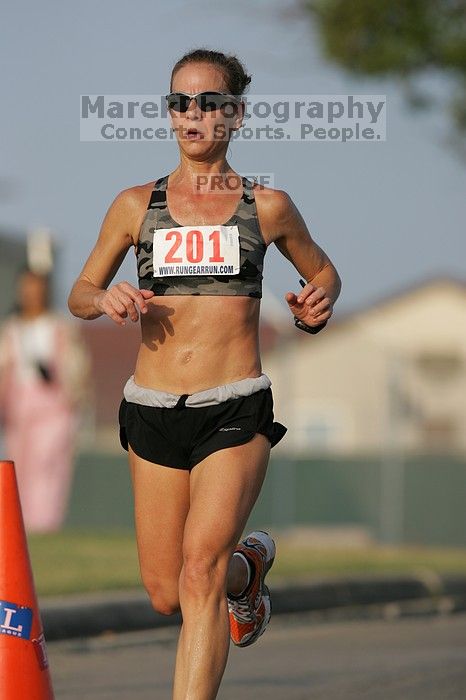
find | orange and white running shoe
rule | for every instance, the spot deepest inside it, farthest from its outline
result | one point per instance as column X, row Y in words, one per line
column 250, row 612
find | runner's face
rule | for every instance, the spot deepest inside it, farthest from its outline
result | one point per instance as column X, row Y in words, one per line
column 200, row 134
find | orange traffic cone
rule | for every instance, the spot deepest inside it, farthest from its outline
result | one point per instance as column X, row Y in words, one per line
column 24, row 668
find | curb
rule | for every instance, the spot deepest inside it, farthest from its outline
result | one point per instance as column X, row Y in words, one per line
column 92, row 614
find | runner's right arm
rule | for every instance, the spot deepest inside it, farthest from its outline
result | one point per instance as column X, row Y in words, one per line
column 89, row 297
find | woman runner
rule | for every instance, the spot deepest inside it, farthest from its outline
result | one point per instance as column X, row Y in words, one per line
column 197, row 415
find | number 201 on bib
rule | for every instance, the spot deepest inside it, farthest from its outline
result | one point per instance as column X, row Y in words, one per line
column 196, row 250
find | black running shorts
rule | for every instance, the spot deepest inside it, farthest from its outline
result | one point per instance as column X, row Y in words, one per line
column 181, row 437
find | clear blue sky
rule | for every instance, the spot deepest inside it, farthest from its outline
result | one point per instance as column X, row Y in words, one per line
column 388, row 214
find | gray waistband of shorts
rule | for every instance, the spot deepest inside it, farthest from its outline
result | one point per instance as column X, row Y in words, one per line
column 209, row 397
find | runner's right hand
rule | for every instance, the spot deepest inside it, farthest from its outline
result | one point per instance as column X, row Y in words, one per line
column 122, row 300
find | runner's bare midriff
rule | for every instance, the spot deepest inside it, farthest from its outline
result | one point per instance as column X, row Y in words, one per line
column 192, row 343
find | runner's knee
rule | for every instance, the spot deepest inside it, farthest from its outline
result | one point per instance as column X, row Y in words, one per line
column 203, row 572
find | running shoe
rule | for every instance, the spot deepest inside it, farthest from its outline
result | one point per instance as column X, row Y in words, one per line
column 250, row 612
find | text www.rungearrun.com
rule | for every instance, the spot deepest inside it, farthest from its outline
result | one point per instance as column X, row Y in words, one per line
column 195, row 270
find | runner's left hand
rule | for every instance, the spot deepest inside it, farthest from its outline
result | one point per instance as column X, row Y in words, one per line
column 310, row 305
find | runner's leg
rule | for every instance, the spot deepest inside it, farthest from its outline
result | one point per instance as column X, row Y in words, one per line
column 223, row 490
column 161, row 504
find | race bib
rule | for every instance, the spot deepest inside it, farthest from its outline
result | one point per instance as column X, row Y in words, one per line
column 196, row 250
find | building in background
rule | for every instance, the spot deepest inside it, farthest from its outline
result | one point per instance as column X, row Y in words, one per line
column 388, row 377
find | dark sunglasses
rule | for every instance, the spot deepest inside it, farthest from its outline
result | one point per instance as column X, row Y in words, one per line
column 206, row 101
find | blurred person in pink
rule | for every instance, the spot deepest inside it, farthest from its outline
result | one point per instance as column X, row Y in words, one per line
column 43, row 378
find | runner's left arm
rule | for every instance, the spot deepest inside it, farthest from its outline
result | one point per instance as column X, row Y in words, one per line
column 313, row 304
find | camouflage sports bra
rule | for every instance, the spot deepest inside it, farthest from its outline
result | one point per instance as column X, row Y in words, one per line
column 224, row 259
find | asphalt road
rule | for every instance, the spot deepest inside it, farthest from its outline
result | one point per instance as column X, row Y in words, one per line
column 412, row 658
